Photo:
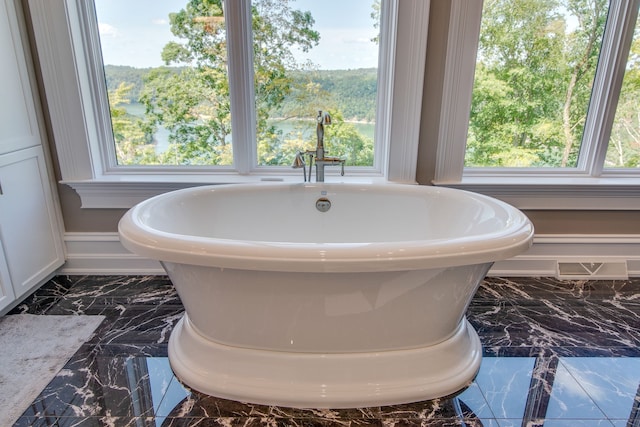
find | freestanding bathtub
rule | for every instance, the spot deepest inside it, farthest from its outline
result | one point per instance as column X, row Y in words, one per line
column 325, row 295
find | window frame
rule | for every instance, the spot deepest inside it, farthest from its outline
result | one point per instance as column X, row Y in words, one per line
column 588, row 185
column 67, row 41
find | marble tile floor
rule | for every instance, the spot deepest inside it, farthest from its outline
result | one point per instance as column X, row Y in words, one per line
column 555, row 354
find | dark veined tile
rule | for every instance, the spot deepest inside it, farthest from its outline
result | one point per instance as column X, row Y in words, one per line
column 149, row 350
column 128, row 324
column 533, row 290
column 469, row 404
column 106, row 292
column 46, row 297
column 553, row 326
column 142, row 326
column 198, row 405
column 361, row 414
column 106, row 421
column 534, row 332
column 36, row 304
column 262, row 422
column 499, row 325
column 91, row 286
column 96, row 386
column 36, row 421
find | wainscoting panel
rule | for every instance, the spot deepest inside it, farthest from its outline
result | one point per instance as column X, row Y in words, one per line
column 102, row 253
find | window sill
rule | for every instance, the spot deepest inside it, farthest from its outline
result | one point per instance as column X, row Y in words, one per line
column 556, row 192
column 524, row 192
column 125, row 191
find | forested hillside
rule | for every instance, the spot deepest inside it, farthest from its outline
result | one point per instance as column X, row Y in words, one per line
column 536, row 71
column 353, row 91
column 116, row 74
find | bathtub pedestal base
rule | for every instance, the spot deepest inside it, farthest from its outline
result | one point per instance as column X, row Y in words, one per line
column 329, row 380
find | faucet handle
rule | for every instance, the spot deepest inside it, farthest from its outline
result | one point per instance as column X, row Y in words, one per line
column 298, row 161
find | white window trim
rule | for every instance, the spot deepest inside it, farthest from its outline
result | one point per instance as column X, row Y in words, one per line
column 66, row 42
column 587, row 186
column 241, row 85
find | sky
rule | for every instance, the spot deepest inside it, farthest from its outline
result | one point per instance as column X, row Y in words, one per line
column 133, row 32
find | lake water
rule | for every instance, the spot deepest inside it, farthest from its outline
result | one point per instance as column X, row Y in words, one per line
column 306, row 126
column 309, row 127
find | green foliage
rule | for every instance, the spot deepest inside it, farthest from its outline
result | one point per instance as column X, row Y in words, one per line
column 532, row 88
column 353, row 92
column 116, row 74
column 346, row 142
column 342, row 139
column 189, row 98
column 375, row 15
column 348, row 93
column 194, row 104
column 195, row 113
column 624, row 145
column 533, row 82
column 131, row 135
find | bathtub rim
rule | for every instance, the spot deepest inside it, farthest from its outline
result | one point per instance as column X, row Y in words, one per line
column 138, row 237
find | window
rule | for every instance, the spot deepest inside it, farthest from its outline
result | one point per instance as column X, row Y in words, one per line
column 67, row 37
column 532, row 114
column 534, row 71
column 623, row 150
column 166, row 71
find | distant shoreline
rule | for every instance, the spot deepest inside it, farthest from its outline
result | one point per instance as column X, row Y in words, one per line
column 306, row 119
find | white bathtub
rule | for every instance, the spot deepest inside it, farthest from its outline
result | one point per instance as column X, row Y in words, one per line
column 360, row 305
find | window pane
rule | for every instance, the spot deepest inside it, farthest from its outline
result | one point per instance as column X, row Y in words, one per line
column 534, row 73
column 310, row 56
column 166, row 73
column 624, row 145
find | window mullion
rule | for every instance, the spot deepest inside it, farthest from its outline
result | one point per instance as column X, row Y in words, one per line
column 241, row 85
column 386, row 59
column 462, row 46
column 607, row 83
column 408, row 79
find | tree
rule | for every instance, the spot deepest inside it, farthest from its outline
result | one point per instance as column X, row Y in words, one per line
column 533, row 81
column 347, row 143
column 132, row 137
column 194, row 105
column 624, row 144
column 189, row 98
column 583, row 58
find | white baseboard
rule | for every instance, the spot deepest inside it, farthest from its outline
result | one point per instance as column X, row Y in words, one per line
column 102, row 254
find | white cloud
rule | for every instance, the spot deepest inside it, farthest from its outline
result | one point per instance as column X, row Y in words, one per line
column 159, row 21
column 107, row 30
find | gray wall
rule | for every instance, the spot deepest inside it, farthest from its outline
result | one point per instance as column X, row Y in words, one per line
column 546, row 222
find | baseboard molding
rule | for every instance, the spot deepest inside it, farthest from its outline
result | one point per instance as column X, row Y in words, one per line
column 103, row 254
column 547, row 250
